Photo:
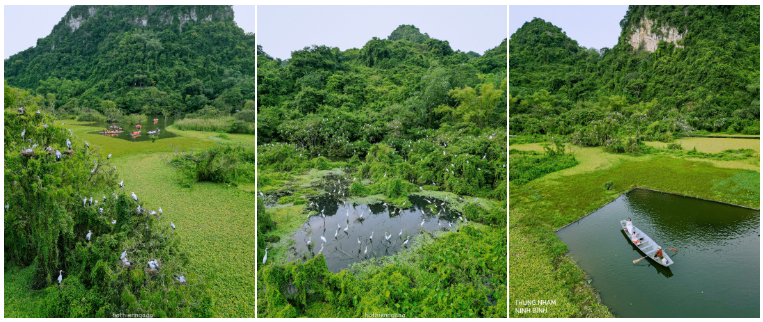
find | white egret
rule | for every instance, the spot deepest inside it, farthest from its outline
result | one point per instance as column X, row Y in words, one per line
column 58, row 155
column 104, row 198
column 179, row 278
column 113, row 222
column 124, row 254
column 160, row 210
column 323, row 239
column 69, row 143
column 89, row 233
column 401, row 232
column 153, row 264
column 100, row 211
column 358, row 240
column 321, row 249
column 108, row 157
column 406, row 241
column 22, row 133
column 337, row 231
column 84, row 202
column 366, row 251
column 310, row 241
column 87, row 144
column 345, row 228
column 387, row 237
column 422, row 223
column 122, row 183
column 60, row 276
column 372, row 235
column 172, row 225
column 266, row 256
column 134, row 197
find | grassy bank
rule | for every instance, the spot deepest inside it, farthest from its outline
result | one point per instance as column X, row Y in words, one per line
column 539, row 268
column 215, row 222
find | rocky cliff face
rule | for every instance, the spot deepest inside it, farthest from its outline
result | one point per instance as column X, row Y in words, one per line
column 644, row 38
column 143, row 16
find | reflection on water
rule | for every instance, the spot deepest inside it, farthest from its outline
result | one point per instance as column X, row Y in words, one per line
column 156, row 126
column 717, row 266
column 351, row 238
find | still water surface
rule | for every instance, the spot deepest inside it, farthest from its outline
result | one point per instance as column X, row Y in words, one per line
column 717, row 267
column 378, row 220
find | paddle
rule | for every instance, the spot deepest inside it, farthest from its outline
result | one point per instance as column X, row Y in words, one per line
column 636, row 261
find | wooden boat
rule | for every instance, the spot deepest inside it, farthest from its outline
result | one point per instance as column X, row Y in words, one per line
column 647, row 245
column 110, row 132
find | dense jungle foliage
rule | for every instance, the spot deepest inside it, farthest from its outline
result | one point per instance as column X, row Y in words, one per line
column 113, row 60
column 708, row 81
column 55, row 196
column 415, row 110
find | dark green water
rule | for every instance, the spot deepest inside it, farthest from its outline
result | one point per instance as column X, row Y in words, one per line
column 717, row 267
column 162, row 123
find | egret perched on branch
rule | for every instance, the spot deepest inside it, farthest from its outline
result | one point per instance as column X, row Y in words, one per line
column 172, row 225
column 22, row 133
column 58, row 155
column 89, row 233
column 153, row 264
column 108, row 157
column 179, row 278
column 266, row 256
column 134, row 197
column 60, row 276
column 261, row 194
column 121, row 184
column 69, row 143
column 420, row 188
column 113, row 222
column 124, row 254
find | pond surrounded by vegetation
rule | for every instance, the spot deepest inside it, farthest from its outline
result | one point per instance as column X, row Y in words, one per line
column 153, row 123
column 379, row 220
column 716, row 270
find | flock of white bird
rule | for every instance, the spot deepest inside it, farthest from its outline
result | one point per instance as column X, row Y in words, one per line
column 154, row 264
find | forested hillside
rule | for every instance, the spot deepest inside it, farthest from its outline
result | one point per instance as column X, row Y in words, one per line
column 145, row 59
column 705, row 77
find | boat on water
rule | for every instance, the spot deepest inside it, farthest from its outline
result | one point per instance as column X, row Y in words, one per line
column 647, row 245
column 110, row 132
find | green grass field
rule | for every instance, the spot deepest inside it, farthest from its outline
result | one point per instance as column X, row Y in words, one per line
column 539, row 268
column 215, row 222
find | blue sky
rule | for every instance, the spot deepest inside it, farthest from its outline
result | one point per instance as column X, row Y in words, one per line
column 283, row 29
column 23, row 25
column 591, row 26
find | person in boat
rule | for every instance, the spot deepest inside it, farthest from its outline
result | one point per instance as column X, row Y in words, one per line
column 659, row 254
column 635, row 239
column 629, row 226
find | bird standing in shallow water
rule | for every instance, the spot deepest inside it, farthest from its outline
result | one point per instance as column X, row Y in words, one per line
column 310, row 241
column 406, row 241
column 323, row 239
column 401, row 232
